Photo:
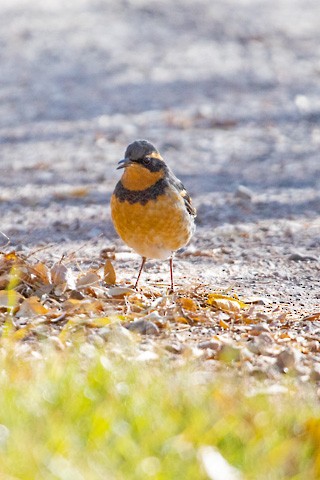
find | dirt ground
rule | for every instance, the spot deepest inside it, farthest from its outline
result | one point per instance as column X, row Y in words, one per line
column 229, row 92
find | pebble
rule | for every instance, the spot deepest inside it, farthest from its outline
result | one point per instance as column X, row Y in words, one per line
column 177, row 348
column 261, row 344
column 243, row 193
column 300, row 257
column 210, row 344
column 258, row 329
column 287, row 359
column 143, row 326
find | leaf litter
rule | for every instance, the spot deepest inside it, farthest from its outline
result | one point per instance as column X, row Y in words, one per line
column 64, row 304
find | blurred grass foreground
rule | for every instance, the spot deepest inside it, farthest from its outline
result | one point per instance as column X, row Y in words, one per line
column 81, row 413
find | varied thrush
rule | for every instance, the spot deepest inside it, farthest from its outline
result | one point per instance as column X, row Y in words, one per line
column 150, row 208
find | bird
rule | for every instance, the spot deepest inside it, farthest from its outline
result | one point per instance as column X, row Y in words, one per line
column 151, row 210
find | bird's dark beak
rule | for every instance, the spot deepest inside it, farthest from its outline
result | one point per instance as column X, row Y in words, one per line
column 124, row 163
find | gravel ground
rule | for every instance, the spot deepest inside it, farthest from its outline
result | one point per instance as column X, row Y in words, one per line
column 228, row 90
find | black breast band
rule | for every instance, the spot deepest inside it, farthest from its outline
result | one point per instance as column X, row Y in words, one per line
column 140, row 196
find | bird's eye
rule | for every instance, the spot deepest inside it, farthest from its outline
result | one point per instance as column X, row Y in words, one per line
column 146, row 161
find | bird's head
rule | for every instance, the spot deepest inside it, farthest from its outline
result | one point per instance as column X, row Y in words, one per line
column 143, row 166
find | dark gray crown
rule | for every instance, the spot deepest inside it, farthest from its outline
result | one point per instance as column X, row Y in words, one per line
column 139, row 149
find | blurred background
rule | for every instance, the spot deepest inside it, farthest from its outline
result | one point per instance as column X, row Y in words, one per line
column 228, row 90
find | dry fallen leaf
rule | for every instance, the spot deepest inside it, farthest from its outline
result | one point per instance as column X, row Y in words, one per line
column 225, row 303
column 224, row 324
column 119, row 292
column 61, row 275
column 89, row 279
column 31, row 307
column 20, row 334
column 109, row 274
column 88, row 306
column 312, row 317
column 42, row 272
column 11, row 257
column 188, row 304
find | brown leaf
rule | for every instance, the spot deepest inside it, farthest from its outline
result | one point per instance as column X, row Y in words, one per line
column 42, row 272
column 89, row 279
column 61, row 275
column 4, row 280
column 312, row 317
column 119, row 292
column 109, row 274
column 31, row 307
column 83, row 306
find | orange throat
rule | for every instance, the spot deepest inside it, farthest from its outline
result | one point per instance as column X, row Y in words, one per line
column 136, row 177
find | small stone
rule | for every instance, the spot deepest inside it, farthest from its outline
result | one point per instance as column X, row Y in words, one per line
column 76, row 295
column 117, row 334
column 287, row 359
column 243, row 193
column 258, row 329
column 300, row 257
column 261, row 344
column 209, row 344
column 177, row 348
column 143, row 327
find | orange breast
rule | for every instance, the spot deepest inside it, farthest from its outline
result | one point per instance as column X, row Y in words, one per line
column 156, row 229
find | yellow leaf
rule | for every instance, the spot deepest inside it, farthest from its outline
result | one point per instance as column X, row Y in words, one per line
column 188, row 304
column 224, row 324
column 63, row 335
column 100, row 322
column 21, row 333
column 109, row 274
column 225, row 303
column 11, row 257
column 32, row 307
column 181, row 320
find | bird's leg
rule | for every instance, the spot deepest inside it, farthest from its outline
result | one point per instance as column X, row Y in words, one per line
column 171, row 275
column 140, row 271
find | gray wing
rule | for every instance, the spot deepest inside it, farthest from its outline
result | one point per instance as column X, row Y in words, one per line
column 184, row 194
